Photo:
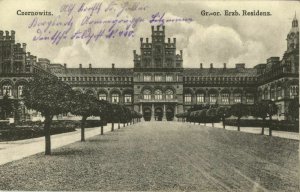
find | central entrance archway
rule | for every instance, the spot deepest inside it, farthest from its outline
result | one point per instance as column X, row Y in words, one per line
column 158, row 114
column 147, row 114
column 170, row 114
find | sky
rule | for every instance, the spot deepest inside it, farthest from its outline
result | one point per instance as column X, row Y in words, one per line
column 207, row 39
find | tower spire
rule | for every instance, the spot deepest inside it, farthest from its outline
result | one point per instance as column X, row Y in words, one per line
column 295, row 21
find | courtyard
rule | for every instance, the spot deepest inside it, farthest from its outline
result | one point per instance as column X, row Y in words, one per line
column 165, row 156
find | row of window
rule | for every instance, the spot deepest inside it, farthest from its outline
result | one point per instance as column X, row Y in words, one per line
column 194, row 79
column 278, row 93
column 224, row 98
column 115, row 97
column 7, row 90
column 158, row 78
column 123, row 79
column 150, row 53
column 158, row 94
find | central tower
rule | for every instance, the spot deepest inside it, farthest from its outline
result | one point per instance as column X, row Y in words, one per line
column 157, row 53
column 158, row 84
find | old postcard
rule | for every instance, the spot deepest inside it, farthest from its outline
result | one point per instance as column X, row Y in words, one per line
column 157, row 95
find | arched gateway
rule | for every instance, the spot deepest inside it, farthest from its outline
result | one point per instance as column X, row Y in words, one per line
column 147, row 114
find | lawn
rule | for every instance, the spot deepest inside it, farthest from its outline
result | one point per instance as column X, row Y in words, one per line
column 162, row 156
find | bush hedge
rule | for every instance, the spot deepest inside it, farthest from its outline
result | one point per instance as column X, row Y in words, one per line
column 27, row 130
column 276, row 125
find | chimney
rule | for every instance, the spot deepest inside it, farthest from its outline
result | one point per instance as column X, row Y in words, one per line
column 224, row 65
column 141, row 39
column 12, row 34
column 7, row 37
column 211, row 65
column 201, row 66
column 152, row 28
column 147, row 40
column 169, row 40
column 174, row 40
column 181, row 52
column 163, row 28
column 90, row 65
column 113, row 66
column 1, row 35
column 80, row 66
column 24, row 47
column 28, row 54
column 65, row 65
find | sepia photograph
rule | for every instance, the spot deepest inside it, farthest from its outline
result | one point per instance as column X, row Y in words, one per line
column 149, row 95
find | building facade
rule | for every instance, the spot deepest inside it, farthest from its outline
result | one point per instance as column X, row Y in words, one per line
column 158, row 86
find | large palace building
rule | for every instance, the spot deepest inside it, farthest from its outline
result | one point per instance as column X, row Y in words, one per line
column 158, row 86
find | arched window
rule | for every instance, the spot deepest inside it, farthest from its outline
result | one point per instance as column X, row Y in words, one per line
column 249, row 98
column 272, row 93
column 20, row 91
column 115, row 98
column 212, row 98
column 102, row 96
column 169, row 94
column 225, row 98
column 188, row 98
column 158, row 94
column 278, row 92
column 200, row 98
column 294, row 91
column 266, row 95
column 147, row 94
column 7, row 90
column 127, row 98
column 237, row 97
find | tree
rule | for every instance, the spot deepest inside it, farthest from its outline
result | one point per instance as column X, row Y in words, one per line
column 264, row 109
column 103, row 112
column 238, row 110
column 114, row 115
column 272, row 110
column 84, row 105
column 293, row 109
column 212, row 115
column 203, row 116
column 50, row 97
column 7, row 106
column 223, row 112
column 260, row 109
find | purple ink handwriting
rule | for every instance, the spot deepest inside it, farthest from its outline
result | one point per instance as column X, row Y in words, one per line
column 93, row 21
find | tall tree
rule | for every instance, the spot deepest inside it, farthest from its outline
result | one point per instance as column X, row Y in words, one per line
column 84, row 105
column 50, row 97
column 223, row 112
column 7, row 106
column 103, row 112
column 272, row 110
column 293, row 109
column 212, row 115
column 260, row 109
column 239, row 110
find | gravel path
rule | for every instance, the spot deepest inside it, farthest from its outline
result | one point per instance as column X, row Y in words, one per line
column 162, row 156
